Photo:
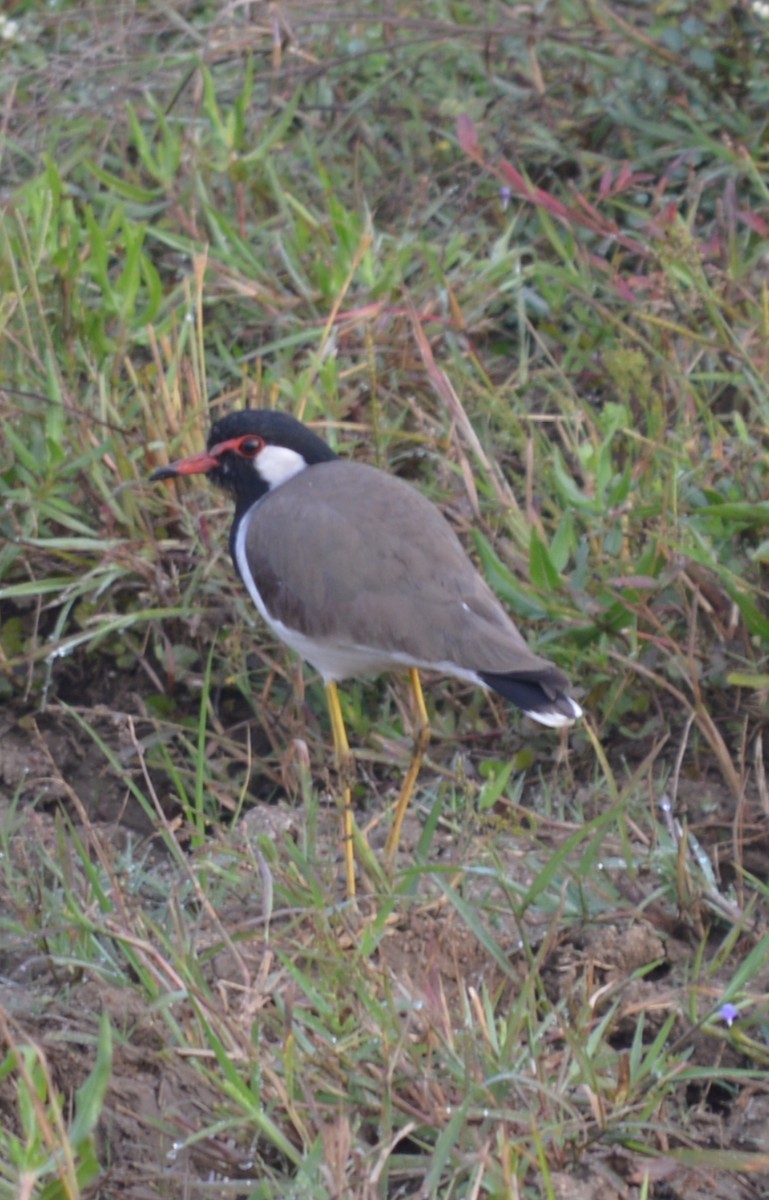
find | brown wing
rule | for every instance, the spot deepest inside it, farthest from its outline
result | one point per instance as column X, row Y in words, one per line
column 347, row 553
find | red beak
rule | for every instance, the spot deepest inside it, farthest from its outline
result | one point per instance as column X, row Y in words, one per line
column 196, row 464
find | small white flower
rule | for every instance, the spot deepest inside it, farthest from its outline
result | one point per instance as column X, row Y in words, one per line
column 9, row 30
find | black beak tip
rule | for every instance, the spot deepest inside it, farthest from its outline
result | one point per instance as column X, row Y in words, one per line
column 163, row 473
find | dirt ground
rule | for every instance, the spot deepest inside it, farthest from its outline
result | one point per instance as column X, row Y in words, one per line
column 156, row 1100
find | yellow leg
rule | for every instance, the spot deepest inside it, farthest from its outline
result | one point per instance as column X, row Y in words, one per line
column 344, row 765
column 421, row 739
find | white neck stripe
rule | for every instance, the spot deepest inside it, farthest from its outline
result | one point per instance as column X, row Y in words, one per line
column 241, row 558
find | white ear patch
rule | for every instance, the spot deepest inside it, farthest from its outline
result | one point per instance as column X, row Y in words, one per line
column 276, row 464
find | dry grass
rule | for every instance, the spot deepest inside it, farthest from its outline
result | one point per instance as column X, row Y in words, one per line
column 519, row 261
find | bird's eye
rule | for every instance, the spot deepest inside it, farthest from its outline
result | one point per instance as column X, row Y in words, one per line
column 250, row 446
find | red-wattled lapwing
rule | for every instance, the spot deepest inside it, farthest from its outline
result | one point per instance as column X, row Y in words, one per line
column 358, row 573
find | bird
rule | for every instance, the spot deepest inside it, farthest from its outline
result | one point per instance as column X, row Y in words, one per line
column 360, row 574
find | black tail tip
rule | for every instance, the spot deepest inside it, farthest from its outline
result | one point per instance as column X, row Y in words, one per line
column 543, row 702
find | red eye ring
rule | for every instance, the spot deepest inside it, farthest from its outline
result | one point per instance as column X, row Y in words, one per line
column 250, row 446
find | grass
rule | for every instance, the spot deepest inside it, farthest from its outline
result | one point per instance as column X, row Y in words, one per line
column 519, row 262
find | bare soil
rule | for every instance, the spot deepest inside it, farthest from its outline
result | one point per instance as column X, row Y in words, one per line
column 429, row 954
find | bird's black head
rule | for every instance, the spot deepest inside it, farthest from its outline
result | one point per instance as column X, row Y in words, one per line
column 252, row 451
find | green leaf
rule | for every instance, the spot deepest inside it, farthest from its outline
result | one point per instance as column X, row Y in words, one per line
column 563, row 543
column 570, row 494
column 747, row 679
column 740, row 511
column 122, row 188
column 493, row 789
column 89, row 1099
column 504, row 583
column 544, row 574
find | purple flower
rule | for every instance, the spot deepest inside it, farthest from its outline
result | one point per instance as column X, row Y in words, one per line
column 505, row 195
column 729, row 1013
